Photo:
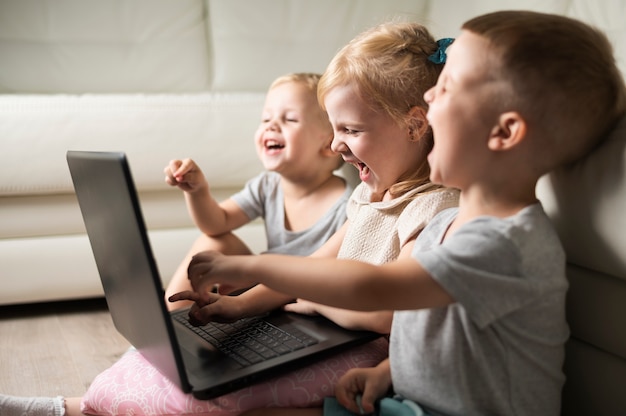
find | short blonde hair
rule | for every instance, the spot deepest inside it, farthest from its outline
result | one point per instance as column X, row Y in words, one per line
column 563, row 79
column 308, row 79
column 389, row 66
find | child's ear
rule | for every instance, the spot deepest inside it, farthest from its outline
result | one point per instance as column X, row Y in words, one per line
column 417, row 123
column 508, row 133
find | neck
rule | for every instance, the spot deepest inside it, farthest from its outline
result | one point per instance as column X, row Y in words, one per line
column 303, row 187
column 501, row 203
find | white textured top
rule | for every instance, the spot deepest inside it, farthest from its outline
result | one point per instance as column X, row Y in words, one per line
column 378, row 230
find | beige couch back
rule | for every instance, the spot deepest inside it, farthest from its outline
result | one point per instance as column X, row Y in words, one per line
column 190, row 46
column 587, row 203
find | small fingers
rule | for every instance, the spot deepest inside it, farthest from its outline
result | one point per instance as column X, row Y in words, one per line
column 185, row 295
column 176, row 171
column 185, row 166
column 169, row 173
column 365, row 402
column 302, row 307
column 196, row 313
column 359, row 400
column 350, row 401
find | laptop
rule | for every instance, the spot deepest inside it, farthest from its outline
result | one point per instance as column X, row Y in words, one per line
column 207, row 361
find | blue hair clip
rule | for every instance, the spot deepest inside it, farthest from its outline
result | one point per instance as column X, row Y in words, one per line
column 439, row 57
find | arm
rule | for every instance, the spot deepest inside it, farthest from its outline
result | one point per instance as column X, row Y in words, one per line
column 402, row 284
column 209, row 216
column 378, row 321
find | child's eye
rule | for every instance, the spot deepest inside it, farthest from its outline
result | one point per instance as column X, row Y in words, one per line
column 291, row 117
column 350, row 131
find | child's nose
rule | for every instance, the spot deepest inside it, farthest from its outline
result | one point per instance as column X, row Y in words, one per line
column 337, row 145
column 272, row 125
column 429, row 95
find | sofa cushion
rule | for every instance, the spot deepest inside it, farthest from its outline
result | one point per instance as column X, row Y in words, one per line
column 587, row 202
column 293, row 36
column 217, row 130
column 143, row 45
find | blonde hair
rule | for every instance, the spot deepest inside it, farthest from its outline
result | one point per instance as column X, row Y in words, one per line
column 308, row 79
column 563, row 79
column 389, row 66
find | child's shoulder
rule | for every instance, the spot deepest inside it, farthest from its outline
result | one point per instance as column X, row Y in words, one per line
column 534, row 221
column 528, row 230
column 432, row 200
column 422, row 209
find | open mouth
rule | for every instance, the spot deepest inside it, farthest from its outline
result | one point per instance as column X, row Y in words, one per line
column 364, row 170
column 274, row 145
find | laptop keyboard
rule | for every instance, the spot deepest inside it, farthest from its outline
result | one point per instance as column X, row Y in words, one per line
column 251, row 340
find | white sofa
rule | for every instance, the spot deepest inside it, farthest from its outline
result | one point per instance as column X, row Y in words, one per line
column 163, row 79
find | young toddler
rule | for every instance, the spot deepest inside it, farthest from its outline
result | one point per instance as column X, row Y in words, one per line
column 298, row 195
column 480, row 325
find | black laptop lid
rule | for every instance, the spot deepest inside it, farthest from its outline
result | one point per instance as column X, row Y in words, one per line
column 127, row 268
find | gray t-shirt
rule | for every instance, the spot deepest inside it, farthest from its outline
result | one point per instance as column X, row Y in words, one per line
column 263, row 197
column 499, row 349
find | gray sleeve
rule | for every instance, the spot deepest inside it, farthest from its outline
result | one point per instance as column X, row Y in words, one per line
column 252, row 198
column 493, row 266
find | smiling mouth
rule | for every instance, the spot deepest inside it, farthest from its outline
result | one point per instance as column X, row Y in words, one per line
column 364, row 170
column 274, row 145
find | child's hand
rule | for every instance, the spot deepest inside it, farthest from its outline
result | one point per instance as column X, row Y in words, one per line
column 210, row 307
column 303, row 307
column 209, row 268
column 185, row 174
column 360, row 388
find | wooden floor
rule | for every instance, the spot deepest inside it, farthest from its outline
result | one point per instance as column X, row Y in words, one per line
column 56, row 348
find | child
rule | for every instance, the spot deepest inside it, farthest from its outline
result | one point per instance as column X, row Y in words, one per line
column 480, row 322
column 299, row 197
column 373, row 91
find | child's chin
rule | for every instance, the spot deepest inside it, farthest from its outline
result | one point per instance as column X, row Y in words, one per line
column 270, row 163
